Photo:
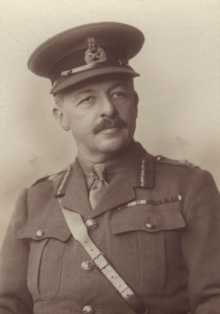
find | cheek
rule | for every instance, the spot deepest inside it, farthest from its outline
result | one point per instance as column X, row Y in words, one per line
column 128, row 113
column 80, row 126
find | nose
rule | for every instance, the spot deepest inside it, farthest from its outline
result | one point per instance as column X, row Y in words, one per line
column 107, row 108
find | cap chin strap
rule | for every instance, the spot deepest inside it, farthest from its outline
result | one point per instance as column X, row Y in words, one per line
column 94, row 65
column 80, row 233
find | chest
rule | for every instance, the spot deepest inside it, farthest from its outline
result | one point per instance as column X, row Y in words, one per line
column 141, row 239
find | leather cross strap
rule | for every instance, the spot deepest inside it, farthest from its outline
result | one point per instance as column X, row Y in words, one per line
column 80, row 233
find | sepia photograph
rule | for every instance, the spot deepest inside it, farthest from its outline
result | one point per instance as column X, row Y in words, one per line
column 110, row 157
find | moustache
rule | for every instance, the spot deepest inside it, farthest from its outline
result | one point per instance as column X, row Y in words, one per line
column 108, row 123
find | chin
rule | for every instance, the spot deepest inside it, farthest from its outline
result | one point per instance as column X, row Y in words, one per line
column 113, row 145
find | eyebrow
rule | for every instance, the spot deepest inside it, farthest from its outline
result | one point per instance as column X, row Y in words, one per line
column 118, row 84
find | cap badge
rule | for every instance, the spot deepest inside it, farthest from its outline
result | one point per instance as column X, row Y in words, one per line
column 94, row 53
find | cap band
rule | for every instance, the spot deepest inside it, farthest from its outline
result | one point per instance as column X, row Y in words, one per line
column 65, row 74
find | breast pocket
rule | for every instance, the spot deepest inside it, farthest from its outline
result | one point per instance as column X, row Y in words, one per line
column 45, row 260
column 146, row 246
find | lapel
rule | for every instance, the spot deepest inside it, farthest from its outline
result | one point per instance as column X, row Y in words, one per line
column 45, row 214
column 76, row 193
column 138, row 171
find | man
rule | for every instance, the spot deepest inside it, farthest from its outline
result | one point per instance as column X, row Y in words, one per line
column 118, row 231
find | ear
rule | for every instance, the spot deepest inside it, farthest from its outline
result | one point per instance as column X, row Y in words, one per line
column 60, row 117
column 136, row 101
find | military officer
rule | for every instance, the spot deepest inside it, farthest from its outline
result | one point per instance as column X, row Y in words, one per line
column 119, row 230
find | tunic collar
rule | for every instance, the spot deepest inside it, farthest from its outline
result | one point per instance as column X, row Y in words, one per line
column 135, row 169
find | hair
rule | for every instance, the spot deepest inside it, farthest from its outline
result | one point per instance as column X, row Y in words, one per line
column 58, row 98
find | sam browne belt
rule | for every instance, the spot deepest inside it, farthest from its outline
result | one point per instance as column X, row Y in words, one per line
column 80, row 233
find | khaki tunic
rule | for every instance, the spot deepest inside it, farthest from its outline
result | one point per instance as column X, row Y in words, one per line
column 166, row 249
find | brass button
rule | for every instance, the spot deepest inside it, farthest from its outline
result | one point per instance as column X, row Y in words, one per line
column 91, row 224
column 150, row 225
column 87, row 266
column 144, row 161
column 88, row 309
column 179, row 197
column 159, row 157
column 39, row 233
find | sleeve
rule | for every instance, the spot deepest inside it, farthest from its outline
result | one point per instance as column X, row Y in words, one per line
column 201, row 243
column 14, row 295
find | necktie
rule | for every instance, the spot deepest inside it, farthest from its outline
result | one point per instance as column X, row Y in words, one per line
column 99, row 184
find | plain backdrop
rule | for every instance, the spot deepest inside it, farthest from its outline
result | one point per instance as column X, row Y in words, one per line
column 179, row 114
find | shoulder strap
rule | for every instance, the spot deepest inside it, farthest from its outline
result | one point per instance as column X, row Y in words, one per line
column 80, row 233
column 184, row 162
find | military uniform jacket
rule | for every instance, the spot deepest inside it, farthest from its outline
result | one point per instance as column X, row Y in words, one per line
column 158, row 226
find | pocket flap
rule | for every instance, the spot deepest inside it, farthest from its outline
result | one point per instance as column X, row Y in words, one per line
column 149, row 221
column 38, row 230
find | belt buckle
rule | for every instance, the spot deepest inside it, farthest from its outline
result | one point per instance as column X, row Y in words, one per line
column 93, row 259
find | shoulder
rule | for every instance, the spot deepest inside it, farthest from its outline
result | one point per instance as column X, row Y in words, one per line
column 182, row 172
column 181, row 177
column 176, row 172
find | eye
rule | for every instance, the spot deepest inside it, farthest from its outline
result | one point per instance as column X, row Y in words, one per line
column 118, row 95
column 88, row 100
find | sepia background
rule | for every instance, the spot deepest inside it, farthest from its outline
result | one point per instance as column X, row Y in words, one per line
column 179, row 87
